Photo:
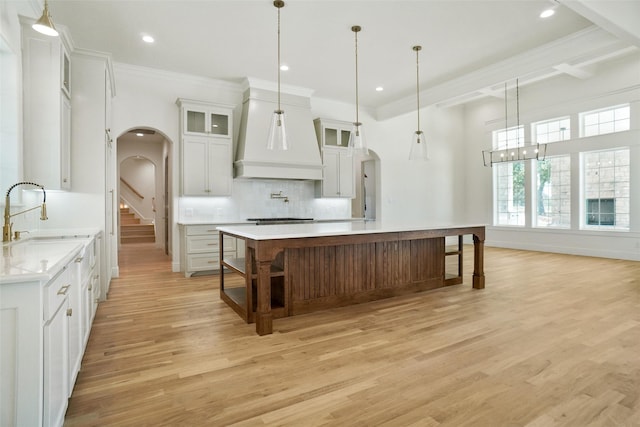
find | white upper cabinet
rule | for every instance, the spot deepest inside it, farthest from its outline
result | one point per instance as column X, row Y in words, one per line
column 46, row 68
column 206, row 148
column 337, row 165
column 206, row 119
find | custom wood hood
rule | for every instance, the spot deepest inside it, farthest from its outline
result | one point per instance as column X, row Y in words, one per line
column 253, row 159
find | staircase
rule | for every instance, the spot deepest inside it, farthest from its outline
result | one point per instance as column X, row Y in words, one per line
column 131, row 231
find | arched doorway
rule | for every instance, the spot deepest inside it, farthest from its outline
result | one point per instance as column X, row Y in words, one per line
column 137, row 202
column 142, row 159
column 366, row 204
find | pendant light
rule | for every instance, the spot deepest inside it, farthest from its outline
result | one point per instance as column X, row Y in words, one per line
column 44, row 25
column 356, row 139
column 277, row 139
column 419, row 143
column 520, row 152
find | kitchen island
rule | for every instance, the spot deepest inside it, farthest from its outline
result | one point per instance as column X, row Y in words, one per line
column 291, row 269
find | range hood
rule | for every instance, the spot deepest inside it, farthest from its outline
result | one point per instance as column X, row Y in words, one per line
column 253, row 159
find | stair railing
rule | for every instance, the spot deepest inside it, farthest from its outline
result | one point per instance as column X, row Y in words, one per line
column 136, row 192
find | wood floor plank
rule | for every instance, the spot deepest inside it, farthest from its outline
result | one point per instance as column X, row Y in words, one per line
column 553, row 340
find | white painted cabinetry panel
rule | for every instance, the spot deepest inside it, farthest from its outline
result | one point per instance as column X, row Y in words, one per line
column 201, row 248
column 206, row 148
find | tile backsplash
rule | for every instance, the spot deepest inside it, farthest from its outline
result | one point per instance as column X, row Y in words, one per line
column 252, row 199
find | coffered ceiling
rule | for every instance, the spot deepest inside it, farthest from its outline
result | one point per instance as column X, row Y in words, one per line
column 469, row 48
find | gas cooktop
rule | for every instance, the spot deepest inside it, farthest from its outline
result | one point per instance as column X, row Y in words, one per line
column 280, row 220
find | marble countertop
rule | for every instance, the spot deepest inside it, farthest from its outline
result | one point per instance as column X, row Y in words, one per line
column 41, row 255
column 317, row 229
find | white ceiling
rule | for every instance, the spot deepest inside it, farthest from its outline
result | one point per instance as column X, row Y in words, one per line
column 230, row 40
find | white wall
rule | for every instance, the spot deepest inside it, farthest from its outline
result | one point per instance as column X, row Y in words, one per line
column 616, row 84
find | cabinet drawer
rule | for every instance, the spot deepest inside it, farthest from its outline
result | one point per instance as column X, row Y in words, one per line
column 202, row 244
column 95, row 285
column 83, row 260
column 55, row 293
column 209, row 261
column 209, row 230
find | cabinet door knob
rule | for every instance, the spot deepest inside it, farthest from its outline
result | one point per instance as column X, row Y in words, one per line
column 69, row 312
column 63, row 290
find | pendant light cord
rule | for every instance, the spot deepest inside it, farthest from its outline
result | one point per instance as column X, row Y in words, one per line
column 357, row 103
column 506, row 123
column 279, row 110
column 517, row 115
column 417, row 49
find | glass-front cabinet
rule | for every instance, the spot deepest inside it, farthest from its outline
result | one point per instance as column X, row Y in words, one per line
column 334, row 137
column 206, row 120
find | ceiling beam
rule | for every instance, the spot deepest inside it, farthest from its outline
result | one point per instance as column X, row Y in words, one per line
column 617, row 17
column 585, row 46
column 577, row 72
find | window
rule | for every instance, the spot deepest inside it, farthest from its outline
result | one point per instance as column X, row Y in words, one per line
column 606, row 189
column 601, row 211
column 509, row 193
column 608, row 120
column 553, row 192
column 508, row 138
column 551, row 130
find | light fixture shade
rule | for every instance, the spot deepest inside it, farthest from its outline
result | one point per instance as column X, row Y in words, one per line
column 44, row 25
column 419, row 149
column 357, row 142
column 277, row 139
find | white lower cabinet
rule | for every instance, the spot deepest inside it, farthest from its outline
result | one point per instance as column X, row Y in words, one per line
column 201, row 248
column 44, row 331
column 57, row 351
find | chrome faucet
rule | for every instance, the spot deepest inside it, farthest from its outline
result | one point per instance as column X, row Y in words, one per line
column 6, row 228
column 279, row 195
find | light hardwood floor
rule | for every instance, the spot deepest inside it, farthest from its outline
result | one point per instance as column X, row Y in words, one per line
column 553, row 340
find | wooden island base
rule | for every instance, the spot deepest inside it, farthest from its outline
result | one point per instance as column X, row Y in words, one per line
column 290, row 276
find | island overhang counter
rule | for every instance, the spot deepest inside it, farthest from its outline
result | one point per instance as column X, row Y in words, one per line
column 292, row 269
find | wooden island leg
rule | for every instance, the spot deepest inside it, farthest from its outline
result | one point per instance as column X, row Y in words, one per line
column 478, row 262
column 264, row 319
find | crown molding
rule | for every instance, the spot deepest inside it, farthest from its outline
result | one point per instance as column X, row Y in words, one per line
column 146, row 72
column 252, row 82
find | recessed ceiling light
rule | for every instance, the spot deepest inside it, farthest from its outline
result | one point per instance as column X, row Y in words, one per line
column 139, row 134
column 547, row 13
column 284, row 67
column 148, row 39
column 379, row 89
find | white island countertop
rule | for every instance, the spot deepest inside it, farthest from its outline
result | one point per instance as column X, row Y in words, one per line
column 294, row 231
